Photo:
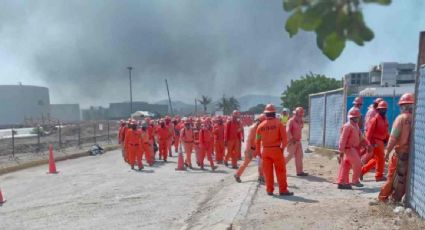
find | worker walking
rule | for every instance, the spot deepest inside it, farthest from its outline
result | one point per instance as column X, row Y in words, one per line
column 349, row 145
column 206, row 140
column 163, row 137
column 196, row 131
column 232, row 135
column 146, row 144
column 132, row 142
column 271, row 136
column 377, row 135
column 284, row 116
column 371, row 112
column 395, row 187
column 187, row 139
column 170, row 127
column 358, row 103
column 294, row 133
column 250, row 151
column 219, row 140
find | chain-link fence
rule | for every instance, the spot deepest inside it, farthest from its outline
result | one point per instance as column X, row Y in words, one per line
column 416, row 188
column 326, row 117
column 34, row 140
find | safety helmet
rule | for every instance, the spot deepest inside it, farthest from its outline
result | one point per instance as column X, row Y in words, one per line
column 358, row 101
column 354, row 112
column 382, row 105
column 236, row 113
column 285, row 110
column 300, row 111
column 161, row 121
column 377, row 100
column 167, row 118
column 407, row 98
column 270, row 109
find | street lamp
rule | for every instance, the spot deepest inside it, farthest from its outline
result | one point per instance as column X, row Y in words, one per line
column 131, row 90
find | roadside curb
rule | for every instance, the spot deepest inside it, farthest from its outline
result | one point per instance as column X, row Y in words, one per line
column 34, row 163
column 245, row 205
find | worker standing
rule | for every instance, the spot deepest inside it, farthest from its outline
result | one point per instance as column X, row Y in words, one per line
column 163, row 137
column 206, row 140
column 196, row 131
column 271, row 136
column 294, row 133
column 170, row 126
column 219, row 140
column 250, row 151
column 349, row 145
column 377, row 135
column 371, row 112
column 132, row 143
column 395, row 187
column 146, row 144
column 284, row 116
column 232, row 136
column 358, row 103
column 187, row 139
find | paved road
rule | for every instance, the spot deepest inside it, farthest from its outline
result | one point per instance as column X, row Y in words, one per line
column 103, row 193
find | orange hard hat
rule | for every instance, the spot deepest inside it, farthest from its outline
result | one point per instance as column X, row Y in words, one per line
column 377, row 100
column 236, row 113
column 382, row 105
column 407, row 98
column 358, row 101
column 354, row 112
column 270, row 109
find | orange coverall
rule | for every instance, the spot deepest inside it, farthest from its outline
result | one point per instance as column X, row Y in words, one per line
column 132, row 143
column 232, row 135
column 187, row 138
column 163, row 136
column 219, row 142
column 271, row 136
column 206, row 140
column 377, row 135
column 196, row 131
column 146, row 147
column 250, row 151
column 294, row 131
column 397, row 168
column 177, row 128
column 170, row 128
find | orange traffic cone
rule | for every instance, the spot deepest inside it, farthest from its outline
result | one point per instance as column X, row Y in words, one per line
column 52, row 164
column 180, row 164
column 2, row 200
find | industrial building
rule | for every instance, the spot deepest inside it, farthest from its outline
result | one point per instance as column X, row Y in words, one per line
column 21, row 102
column 65, row 112
column 382, row 79
column 122, row 110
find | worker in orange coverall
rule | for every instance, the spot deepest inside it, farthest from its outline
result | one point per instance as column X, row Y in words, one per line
column 232, row 136
column 163, row 136
column 132, row 143
column 395, row 187
column 206, row 143
column 371, row 112
column 187, row 139
column 146, row 146
column 170, row 127
column 178, row 125
column 349, row 146
column 196, row 131
column 294, row 133
column 219, row 140
column 377, row 135
column 358, row 103
column 271, row 136
column 121, row 135
column 250, row 151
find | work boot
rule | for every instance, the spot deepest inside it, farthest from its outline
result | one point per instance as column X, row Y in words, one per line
column 302, row 174
column 186, row 165
column 287, row 193
column 381, row 179
column 190, row 166
column 141, row 168
column 202, row 167
column 235, row 167
column 214, row 168
column 344, row 186
column 358, row 185
column 270, row 193
column 132, row 167
column 237, row 178
column 361, row 177
column 226, row 164
column 165, row 160
column 261, row 179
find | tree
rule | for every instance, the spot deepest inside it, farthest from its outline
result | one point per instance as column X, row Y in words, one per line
column 333, row 21
column 205, row 101
column 259, row 108
column 228, row 104
column 296, row 94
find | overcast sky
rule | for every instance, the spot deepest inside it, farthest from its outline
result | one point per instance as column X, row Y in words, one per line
column 80, row 49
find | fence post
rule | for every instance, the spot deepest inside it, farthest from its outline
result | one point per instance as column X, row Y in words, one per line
column 60, row 136
column 38, row 138
column 79, row 135
column 94, row 132
column 109, row 138
column 324, row 119
column 13, row 142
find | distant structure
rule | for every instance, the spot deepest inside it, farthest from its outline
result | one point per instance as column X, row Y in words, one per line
column 383, row 79
column 120, row 110
column 95, row 113
column 21, row 102
column 65, row 112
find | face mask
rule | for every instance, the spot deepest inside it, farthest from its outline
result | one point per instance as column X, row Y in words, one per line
column 162, row 125
column 382, row 112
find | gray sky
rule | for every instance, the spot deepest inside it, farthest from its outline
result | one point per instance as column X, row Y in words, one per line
column 80, row 49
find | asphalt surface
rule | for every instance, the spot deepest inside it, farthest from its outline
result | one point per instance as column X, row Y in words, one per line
column 102, row 192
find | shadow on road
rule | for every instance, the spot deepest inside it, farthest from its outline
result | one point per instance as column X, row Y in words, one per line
column 369, row 190
column 311, row 178
column 295, row 199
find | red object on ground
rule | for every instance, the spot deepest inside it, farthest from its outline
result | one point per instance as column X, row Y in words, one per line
column 2, row 200
column 52, row 164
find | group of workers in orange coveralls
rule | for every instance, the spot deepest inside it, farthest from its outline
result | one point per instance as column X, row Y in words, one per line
column 363, row 152
column 219, row 139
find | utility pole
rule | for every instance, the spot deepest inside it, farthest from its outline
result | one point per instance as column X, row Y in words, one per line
column 131, row 90
column 169, row 98
column 196, row 107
